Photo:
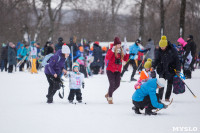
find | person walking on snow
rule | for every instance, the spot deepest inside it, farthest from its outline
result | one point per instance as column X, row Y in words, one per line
column 146, row 97
column 134, row 49
column 76, row 80
column 115, row 55
column 54, row 69
column 166, row 62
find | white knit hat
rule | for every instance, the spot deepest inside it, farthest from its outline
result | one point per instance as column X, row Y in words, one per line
column 65, row 49
column 161, row 82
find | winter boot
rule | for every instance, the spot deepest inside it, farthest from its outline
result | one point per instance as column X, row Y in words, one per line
column 167, row 100
column 79, row 101
column 106, row 96
column 137, row 110
column 149, row 112
column 70, row 101
column 50, row 100
column 110, row 100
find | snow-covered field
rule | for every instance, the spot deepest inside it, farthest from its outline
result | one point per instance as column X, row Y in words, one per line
column 23, row 108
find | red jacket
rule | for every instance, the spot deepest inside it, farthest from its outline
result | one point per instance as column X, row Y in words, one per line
column 110, row 56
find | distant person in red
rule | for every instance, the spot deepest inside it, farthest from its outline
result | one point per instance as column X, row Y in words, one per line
column 115, row 55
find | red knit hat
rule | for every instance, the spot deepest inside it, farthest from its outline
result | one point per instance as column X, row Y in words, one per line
column 117, row 41
column 96, row 42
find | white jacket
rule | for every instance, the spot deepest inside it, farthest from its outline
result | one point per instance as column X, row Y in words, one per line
column 75, row 80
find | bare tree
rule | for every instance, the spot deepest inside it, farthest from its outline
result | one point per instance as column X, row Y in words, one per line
column 40, row 14
column 162, row 16
column 141, row 28
column 182, row 18
column 53, row 16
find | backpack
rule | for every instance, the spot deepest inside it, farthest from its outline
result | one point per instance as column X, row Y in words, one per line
column 178, row 85
column 47, row 58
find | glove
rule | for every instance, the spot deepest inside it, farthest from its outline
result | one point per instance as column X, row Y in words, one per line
column 83, row 85
column 113, row 49
column 165, row 106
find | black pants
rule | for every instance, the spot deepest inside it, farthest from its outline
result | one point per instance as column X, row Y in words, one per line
column 10, row 68
column 192, row 63
column 169, row 90
column 4, row 65
column 187, row 73
column 83, row 70
column 28, row 63
column 74, row 92
column 51, row 90
column 141, row 67
column 95, row 69
column 21, row 67
column 146, row 103
column 125, row 68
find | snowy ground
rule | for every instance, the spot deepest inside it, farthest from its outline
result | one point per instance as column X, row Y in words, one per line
column 23, row 108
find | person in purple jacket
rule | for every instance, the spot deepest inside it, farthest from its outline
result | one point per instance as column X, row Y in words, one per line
column 54, row 69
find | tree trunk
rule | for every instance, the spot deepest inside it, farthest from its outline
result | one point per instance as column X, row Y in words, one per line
column 141, row 28
column 182, row 18
column 113, row 17
column 162, row 18
column 40, row 16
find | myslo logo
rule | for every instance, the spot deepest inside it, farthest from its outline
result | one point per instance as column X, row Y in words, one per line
column 185, row 129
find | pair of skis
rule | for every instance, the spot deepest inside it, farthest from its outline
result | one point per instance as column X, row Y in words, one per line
column 21, row 61
column 76, row 103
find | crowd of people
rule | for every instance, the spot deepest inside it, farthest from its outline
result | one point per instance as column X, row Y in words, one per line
column 89, row 56
column 157, row 66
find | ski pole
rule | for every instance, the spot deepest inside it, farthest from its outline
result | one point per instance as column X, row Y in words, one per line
column 143, row 59
column 185, row 84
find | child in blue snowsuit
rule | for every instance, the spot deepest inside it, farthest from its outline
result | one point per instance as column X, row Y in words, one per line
column 146, row 96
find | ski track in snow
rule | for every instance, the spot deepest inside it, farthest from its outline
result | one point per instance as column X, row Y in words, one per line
column 23, row 107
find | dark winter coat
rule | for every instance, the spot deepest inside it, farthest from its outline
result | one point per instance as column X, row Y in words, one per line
column 191, row 46
column 56, row 64
column 4, row 53
column 97, row 53
column 59, row 46
column 12, row 55
column 166, row 61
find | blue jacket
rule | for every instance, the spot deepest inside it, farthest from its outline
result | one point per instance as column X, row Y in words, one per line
column 134, row 49
column 148, row 88
column 56, row 64
column 19, row 51
column 24, row 52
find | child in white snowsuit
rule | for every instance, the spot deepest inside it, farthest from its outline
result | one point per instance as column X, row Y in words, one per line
column 76, row 79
